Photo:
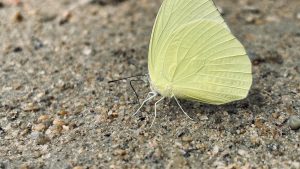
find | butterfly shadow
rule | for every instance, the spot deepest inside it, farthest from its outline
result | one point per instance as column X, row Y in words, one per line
column 252, row 104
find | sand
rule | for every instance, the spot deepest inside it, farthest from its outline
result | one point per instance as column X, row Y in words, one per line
column 58, row 111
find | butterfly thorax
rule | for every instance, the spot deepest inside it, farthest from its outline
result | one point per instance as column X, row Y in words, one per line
column 165, row 89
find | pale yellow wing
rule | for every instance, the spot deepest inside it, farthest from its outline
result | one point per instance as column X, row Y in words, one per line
column 172, row 15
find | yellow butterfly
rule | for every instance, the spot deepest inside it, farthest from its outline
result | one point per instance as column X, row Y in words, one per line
column 193, row 55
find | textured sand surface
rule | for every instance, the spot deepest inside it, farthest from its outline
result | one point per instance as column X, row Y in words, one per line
column 58, row 111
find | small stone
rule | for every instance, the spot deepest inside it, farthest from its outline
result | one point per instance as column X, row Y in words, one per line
column 71, row 125
column 251, row 9
column 39, row 127
column 17, row 49
column 259, row 123
column 53, row 131
column 112, row 114
column 30, row 107
column 66, row 128
column 78, row 167
column 242, row 152
column 250, row 19
column 87, row 51
column 42, row 140
column 58, row 122
column 275, row 115
column 120, row 152
column 294, row 122
column 35, row 134
column 1, row 5
column 2, row 132
column 215, row 150
column 24, row 132
column 298, row 15
column 181, row 132
column 203, row 118
column 37, row 44
column 187, row 139
column 39, row 96
column 65, row 18
column 63, row 113
column 255, row 140
column 201, row 146
column 43, row 118
column 272, row 19
column 18, row 17
column 39, row 138
column 24, row 166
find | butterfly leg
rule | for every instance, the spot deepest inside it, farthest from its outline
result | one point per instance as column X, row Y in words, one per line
column 146, row 99
column 155, row 110
column 182, row 108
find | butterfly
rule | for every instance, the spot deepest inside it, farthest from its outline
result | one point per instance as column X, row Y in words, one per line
column 193, row 55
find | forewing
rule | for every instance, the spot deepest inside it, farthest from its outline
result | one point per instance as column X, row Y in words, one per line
column 172, row 15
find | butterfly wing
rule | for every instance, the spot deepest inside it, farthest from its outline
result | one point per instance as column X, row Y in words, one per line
column 172, row 15
column 203, row 61
column 193, row 53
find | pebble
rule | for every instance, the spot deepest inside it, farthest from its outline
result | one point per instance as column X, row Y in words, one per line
column 78, row 167
column 255, row 140
column 30, row 107
column 39, row 127
column 187, row 139
column 272, row 19
column 65, row 18
column 298, row 15
column 242, row 152
column 63, row 113
column 35, row 134
column 203, row 118
column 53, row 131
column 202, row 146
column 24, row 132
column 58, row 122
column 113, row 114
column 294, row 122
column 250, row 18
column 43, row 118
column 251, row 9
column 87, row 51
column 66, row 128
column 41, row 140
column 215, row 150
column 2, row 132
column 120, row 152
column 259, row 123
column 24, row 166
column 181, row 132
column 39, row 96
column 18, row 17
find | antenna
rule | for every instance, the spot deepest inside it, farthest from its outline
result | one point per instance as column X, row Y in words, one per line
column 130, row 83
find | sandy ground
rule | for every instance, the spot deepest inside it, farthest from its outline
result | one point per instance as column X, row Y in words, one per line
column 58, row 111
